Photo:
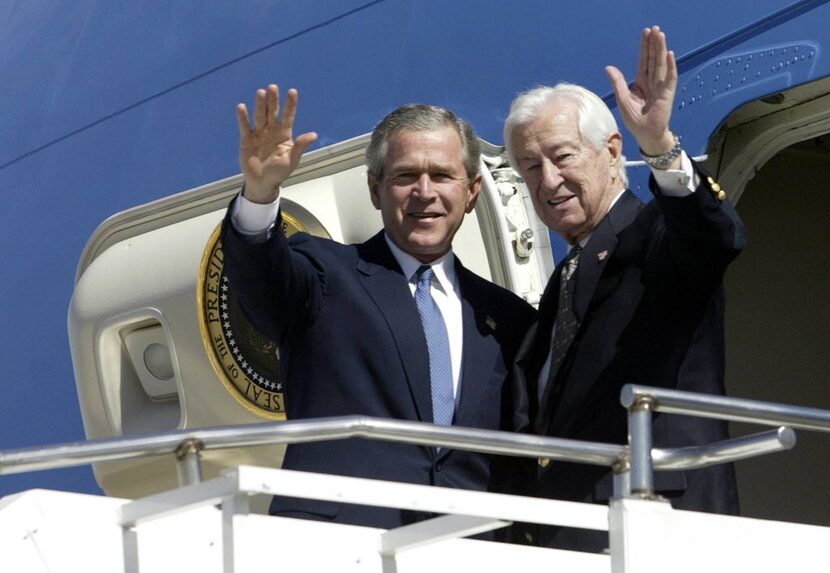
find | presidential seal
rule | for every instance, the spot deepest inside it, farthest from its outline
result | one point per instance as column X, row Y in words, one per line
column 245, row 360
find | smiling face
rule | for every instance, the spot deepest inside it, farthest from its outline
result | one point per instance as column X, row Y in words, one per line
column 571, row 184
column 425, row 191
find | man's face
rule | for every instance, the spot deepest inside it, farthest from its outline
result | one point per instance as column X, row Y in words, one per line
column 425, row 192
column 571, row 184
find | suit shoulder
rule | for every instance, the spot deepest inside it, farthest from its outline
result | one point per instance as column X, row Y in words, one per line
column 303, row 239
column 497, row 297
column 320, row 247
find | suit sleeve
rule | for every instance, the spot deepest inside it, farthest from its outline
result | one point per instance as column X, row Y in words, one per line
column 278, row 283
column 701, row 231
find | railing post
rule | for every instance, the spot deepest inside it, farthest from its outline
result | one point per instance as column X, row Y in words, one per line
column 639, row 442
column 188, row 462
column 622, row 477
column 232, row 506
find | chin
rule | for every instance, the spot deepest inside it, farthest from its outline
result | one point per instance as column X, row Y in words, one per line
column 420, row 250
column 423, row 251
column 424, row 244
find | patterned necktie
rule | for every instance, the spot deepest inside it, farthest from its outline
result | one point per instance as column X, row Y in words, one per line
column 566, row 322
column 438, row 343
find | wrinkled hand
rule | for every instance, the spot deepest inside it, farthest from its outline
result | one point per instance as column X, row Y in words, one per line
column 646, row 107
column 267, row 153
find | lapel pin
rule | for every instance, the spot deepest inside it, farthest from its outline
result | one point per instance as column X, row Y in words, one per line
column 491, row 324
column 602, row 255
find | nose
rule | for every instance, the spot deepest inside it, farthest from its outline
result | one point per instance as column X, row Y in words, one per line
column 425, row 186
column 551, row 175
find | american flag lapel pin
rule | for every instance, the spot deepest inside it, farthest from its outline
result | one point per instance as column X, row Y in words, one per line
column 602, row 255
column 491, row 324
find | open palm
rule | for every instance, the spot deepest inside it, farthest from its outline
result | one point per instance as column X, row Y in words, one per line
column 647, row 106
column 268, row 153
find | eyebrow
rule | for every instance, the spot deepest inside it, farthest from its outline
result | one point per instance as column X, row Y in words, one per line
column 432, row 166
column 526, row 157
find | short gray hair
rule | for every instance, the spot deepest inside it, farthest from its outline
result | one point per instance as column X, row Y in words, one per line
column 596, row 122
column 421, row 117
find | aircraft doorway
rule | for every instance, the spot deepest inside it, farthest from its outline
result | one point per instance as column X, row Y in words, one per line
column 778, row 326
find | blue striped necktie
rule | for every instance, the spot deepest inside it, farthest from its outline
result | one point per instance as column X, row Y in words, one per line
column 438, row 343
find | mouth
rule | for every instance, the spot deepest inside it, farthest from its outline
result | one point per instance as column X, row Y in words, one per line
column 557, row 201
column 424, row 216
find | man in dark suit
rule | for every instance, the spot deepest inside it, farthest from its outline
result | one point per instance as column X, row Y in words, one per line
column 350, row 320
column 638, row 299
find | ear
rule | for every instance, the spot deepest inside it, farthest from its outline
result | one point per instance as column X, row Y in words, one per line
column 374, row 190
column 475, row 189
column 614, row 146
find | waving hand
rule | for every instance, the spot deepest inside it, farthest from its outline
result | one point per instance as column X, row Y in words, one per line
column 268, row 153
column 646, row 107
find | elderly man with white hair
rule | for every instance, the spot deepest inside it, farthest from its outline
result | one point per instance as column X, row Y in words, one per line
column 638, row 299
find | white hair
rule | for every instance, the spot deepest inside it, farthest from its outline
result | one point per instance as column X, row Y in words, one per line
column 596, row 122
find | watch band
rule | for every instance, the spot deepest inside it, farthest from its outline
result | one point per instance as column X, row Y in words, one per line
column 664, row 160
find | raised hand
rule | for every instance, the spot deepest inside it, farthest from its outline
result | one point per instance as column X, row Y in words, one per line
column 646, row 107
column 268, row 153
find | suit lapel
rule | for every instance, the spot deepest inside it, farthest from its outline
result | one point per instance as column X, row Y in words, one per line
column 599, row 249
column 383, row 280
column 477, row 363
column 547, row 310
column 541, row 347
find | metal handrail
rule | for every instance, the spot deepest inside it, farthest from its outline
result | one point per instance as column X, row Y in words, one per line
column 299, row 431
column 696, row 457
column 187, row 445
column 641, row 401
column 726, row 408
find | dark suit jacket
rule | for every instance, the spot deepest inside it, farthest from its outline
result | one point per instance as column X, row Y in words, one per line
column 649, row 298
column 351, row 343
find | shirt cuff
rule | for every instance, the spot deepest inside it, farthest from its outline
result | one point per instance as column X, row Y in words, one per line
column 677, row 182
column 254, row 220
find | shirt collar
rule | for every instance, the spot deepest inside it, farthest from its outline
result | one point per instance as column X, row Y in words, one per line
column 443, row 267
